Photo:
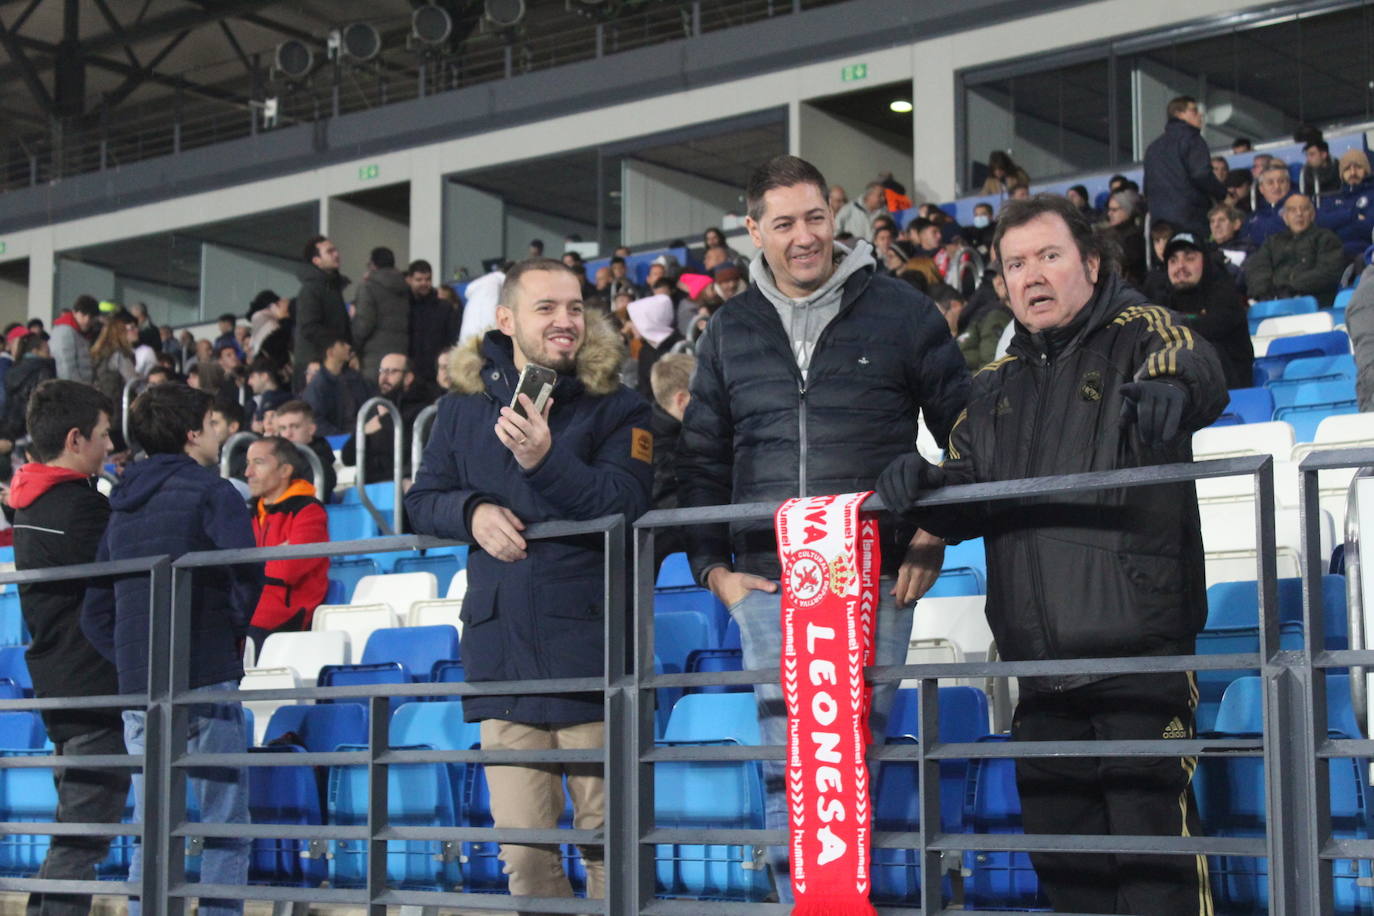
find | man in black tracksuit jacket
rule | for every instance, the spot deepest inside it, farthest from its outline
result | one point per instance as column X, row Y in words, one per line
column 58, row 520
column 1096, row 379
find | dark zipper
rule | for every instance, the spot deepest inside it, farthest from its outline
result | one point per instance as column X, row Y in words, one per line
column 801, row 433
column 1037, row 582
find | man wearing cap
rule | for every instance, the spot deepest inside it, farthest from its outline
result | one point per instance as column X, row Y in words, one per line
column 70, row 346
column 1303, row 260
column 1347, row 211
column 1209, row 302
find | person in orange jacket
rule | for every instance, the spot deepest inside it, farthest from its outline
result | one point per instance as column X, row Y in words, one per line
column 285, row 511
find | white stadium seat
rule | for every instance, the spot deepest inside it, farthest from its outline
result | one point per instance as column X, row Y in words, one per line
column 267, row 679
column 396, row 590
column 306, row 652
column 356, row 620
column 438, row 611
column 1290, row 325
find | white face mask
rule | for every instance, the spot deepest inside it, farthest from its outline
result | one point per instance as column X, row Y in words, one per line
column 981, row 221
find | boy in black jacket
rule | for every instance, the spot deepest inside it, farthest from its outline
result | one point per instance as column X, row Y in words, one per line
column 59, row 518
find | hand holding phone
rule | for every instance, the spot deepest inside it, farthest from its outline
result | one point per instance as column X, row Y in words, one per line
column 537, row 382
column 523, row 426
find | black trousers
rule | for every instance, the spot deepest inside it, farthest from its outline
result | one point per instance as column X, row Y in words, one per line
column 1143, row 796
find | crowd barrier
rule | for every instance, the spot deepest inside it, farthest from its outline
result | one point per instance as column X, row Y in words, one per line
column 1299, row 842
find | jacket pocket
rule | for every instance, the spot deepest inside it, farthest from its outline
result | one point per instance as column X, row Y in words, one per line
column 479, row 606
column 569, row 614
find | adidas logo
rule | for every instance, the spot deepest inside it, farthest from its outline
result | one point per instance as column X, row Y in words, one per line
column 1175, row 729
column 1003, row 407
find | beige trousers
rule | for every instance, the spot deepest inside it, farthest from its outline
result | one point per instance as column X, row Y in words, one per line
column 530, row 796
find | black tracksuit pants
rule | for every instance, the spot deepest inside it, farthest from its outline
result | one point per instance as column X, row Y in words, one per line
column 1113, row 795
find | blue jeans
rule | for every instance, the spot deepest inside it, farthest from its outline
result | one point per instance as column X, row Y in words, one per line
column 759, row 615
column 213, row 728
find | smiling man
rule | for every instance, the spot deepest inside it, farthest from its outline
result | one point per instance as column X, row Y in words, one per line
column 1096, row 379
column 533, row 608
column 1303, row 260
column 809, row 383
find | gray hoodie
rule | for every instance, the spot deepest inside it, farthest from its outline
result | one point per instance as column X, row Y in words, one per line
column 805, row 318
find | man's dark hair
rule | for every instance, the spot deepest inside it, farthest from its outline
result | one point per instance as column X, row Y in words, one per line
column 1319, row 144
column 86, row 305
column 164, row 415
column 161, row 375
column 225, row 346
column 537, row 245
column 617, row 259
column 285, row 451
column 261, row 301
column 1179, row 105
column 35, row 324
column 328, row 340
column 529, row 265
column 231, row 410
column 229, row 317
column 1162, row 229
column 1090, row 242
column 382, row 257
column 1245, row 143
column 781, row 172
column 298, row 406
column 944, row 294
column 312, row 248
column 663, row 283
column 30, row 342
column 266, row 364
column 58, row 406
column 1238, row 178
column 986, row 206
column 419, row 266
column 920, row 224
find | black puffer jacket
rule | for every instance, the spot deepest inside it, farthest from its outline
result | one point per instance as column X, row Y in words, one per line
column 756, row 432
column 321, row 315
column 1217, row 310
column 1105, row 573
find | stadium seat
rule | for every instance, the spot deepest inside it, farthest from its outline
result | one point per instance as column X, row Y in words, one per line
column 14, row 666
column 1231, row 798
column 418, row 795
column 457, row 586
column 1268, row 438
column 320, row 728
column 12, row 629
column 350, row 522
column 1337, row 431
column 264, row 710
column 675, row 572
column 306, row 652
column 957, row 582
column 1247, row 405
column 1306, row 396
column 348, row 572
column 362, row 674
column 416, row 648
column 676, row 635
column 701, row 661
column 443, row 566
column 356, row 620
column 960, row 620
column 397, row 590
column 694, row 600
column 439, row 612
column 1316, row 369
column 1228, row 536
column 448, row 671
column 285, row 795
column 896, row 797
column 1276, row 308
column 21, row 730
column 1292, row 325
column 1342, row 300
column 725, row 795
column 967, row 554
column 996, row 879
column 1272, row 355
column 26, row 794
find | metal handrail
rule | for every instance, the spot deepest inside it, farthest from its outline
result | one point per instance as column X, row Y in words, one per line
column 360, row 461
column 1354, row 598
column 248, row 436
column 418, row 438
column 124, row 401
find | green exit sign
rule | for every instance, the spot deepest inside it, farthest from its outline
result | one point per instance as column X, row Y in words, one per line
column 854, row 72
column 2, row 247
column 369, row 172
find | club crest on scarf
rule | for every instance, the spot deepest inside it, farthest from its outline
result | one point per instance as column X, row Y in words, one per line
column 830, row 566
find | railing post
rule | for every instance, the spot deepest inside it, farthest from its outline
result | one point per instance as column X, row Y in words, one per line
column 639, row 790
column 164, row 794
column 618, row 833
column 378, row 727
column 226, row 454
column 423, row 420
column 360, row 462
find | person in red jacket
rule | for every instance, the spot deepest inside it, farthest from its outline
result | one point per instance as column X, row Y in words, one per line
column 285, row 511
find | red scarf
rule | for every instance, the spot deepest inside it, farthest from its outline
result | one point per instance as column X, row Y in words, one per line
column 829, row 596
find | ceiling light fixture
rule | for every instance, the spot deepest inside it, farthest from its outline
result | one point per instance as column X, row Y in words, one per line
column 900, row 106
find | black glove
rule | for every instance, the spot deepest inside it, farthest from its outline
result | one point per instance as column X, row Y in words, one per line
column 1156, row 409
column 902, row 481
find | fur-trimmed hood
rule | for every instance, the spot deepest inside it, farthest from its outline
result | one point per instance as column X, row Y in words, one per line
column 598, row 361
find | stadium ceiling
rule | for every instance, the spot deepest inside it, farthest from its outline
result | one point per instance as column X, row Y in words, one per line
column 75, row 63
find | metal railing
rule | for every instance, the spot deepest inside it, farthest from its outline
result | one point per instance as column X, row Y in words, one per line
column 360, row 462
column 1298, row 844
column 419, row 436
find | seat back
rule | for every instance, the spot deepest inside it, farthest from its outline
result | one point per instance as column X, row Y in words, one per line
column 263, row 710
column 306, row 652
column 397, row 590
column 439, row 612
column 714, row 717
column 285, row 795
column 1248, row 405
column 675, row 572
column 1282, row 325
column 21, row 730
column 443, row 566
column 1268, row 438
column 321, row 728
column 417, row 648
column 15, row 666
column 356, row 620
column 350, row 522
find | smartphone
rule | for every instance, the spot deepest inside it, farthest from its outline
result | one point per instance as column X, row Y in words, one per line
column 537, row 382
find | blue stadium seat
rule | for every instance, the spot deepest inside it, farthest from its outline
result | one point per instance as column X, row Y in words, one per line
column 1315, row 369
column 958, row 582
column 12, row 629
column 335, row 593
column 1275, row 308
column 14, row 666
column 418, row 795
column 320, row 728
column 1247, row 405
column 997, row 879
column 896, row 799
column 417, row 649
column 21, row 730
column 1286, row 349
column 1309, row 395
column 444, row 567
column 9, row 690
column 350, row 522
column 675, row 572
column 1342, row 300
column 1231, row 793
column 701, row 661
column 356, row 675
column 285, row 795
column 337, row 442
column 25, row 795
column 727, row 795
column 697, row 600
column 448, row 671
column 967, row 554
column 349, row 572
column 676, row 635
